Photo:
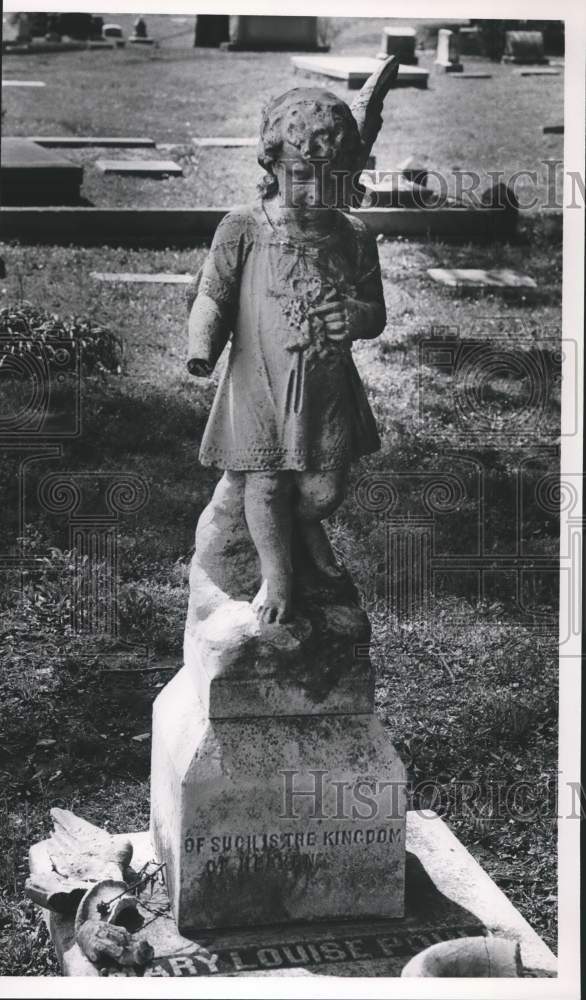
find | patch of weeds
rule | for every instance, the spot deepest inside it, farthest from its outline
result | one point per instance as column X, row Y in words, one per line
column 28, row 330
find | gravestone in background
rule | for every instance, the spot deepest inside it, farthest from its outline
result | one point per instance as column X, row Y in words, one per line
column 16, row 29
column 524, row 48
column 399, row 42
column 448, row 51
column 31, row 175
column 211, row 30
column 470, row 41
column 140, row 34
column 274, row 33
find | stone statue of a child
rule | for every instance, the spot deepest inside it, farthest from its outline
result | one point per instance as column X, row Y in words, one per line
column 295, row 279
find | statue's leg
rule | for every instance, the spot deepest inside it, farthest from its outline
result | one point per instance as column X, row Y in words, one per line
column 267, row 507
column 319, row 495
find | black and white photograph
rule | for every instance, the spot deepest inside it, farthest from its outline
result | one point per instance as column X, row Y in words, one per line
column 291, row 452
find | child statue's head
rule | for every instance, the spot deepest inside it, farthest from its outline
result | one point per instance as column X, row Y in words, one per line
column 309, row 141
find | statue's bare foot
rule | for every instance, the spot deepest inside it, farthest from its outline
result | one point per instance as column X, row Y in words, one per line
column 320, row 551
column 273, row 604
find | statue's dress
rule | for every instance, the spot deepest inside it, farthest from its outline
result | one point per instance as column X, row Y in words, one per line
column 288, row 398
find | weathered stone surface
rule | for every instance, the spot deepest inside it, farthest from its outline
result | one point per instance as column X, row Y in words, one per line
column 80, row 854
column 399, row 42
column 317, row 664
column 355, row 70
column 448, row 51
column 140, row 168
column 448, row 896
column 243, row 847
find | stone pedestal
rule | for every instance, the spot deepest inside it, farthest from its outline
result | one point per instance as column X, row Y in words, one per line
column 276, row 794
column 399, row 42
column 448, row 51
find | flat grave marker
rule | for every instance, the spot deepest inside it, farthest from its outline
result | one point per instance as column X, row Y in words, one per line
column 465, row 277
column 355, row 70
column 537, row 71
column 125, row 278
column 80, row 141
column 23, row 83
column 553, row 129
column 224, row 142
column 140, row 168
column 471, row 76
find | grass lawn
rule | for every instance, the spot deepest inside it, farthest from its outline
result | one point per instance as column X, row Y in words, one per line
column 468, row 692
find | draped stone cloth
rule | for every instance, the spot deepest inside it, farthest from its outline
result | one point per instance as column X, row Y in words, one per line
column 288, row 397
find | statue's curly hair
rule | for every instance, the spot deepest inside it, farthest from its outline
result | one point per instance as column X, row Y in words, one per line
column 317, row 122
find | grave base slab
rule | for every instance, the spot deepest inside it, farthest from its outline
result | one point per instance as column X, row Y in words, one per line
column 355, row 70
column 448, row 895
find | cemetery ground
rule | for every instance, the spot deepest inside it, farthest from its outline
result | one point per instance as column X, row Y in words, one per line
column 469, row 695
column 175, row 93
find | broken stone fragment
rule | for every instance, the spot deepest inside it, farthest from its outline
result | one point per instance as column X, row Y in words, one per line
column 80, row 854
column 477, row 957
column 104, row 922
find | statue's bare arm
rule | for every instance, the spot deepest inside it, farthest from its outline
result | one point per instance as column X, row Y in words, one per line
column 208, row 334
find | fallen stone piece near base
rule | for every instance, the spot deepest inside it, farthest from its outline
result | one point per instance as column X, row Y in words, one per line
column 140, row 168
column 553, row 129
column 80, row 141
column 473, row 957
column 448, row 896
column 355, row 70
column 162, row 278
column 23, row 83
column 480, row 278
column 225, row 142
